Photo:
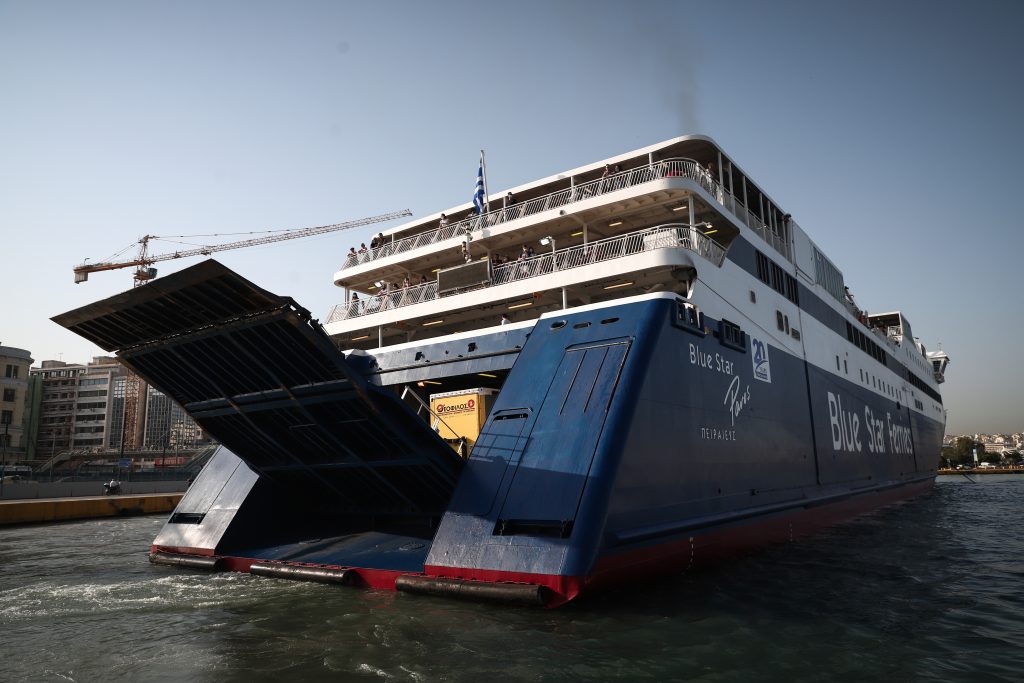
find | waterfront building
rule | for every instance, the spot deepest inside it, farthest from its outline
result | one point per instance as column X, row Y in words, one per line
column 14, row 364
column 82, row 408
column 74, row 410
column 168, row 426
column 92, row 405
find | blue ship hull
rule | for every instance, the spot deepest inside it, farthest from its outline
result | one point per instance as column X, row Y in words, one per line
column 627, row 440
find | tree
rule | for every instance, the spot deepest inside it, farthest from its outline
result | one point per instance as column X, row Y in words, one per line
column 993, row 458
column 961, row 452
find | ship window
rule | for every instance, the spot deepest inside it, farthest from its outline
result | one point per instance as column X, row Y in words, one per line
column 786, row 319
column 778, row 320
column 846, row 368
column 558, row 324
column 689, row 318
column 837, row 363
column 762, row 268
column 609, row 321
column 795, row 333
column 733, row 336
column 511, row 416
column 792, row 291
column 579, row 326
column 753, row 300
column 777, row 279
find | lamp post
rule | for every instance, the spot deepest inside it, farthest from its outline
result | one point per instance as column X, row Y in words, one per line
column 694, row 232
column 545, row 241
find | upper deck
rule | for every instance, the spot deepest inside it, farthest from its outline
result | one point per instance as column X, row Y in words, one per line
column 622, row 226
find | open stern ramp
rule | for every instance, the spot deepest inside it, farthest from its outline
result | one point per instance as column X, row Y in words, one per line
column 260, row 376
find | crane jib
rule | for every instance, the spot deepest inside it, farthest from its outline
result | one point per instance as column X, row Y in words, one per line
column 144, row 259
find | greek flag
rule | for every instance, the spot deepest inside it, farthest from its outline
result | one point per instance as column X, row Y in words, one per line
column 478, row 193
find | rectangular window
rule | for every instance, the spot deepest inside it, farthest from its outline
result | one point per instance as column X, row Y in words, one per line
column 733, row 336
column 792, row 291
column 9, row 395
column 762, row 268
column 689, row 317
column 11, row 371
column 828, row 276
column 777, row 278
column 6, row 417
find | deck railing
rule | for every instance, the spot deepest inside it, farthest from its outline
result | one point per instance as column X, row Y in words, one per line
column 660, row 237
column 686, row 168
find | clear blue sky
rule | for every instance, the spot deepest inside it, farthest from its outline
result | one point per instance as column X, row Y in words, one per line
column 890, row 130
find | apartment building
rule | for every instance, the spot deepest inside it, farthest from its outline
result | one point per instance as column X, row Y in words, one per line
column 14, row 373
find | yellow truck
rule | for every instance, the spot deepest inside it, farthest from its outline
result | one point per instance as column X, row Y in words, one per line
column 458, row 416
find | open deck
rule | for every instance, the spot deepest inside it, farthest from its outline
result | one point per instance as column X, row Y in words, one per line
column 634, row 209
column 611, row 266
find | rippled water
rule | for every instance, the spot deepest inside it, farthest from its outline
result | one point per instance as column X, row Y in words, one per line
column 924, row 591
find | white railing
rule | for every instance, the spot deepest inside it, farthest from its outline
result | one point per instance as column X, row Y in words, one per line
column 754, row 223
column 661, row 237
column 686, row 168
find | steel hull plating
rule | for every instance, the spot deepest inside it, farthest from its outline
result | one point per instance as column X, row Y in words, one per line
column 626, row 441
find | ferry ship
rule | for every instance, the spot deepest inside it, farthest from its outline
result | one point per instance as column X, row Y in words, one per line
column 631, row 368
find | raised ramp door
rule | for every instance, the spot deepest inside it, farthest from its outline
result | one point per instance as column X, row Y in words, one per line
column 553, row 469
column 266, row 381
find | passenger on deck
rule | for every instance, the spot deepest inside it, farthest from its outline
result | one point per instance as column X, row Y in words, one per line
column 509, row 200
column 352, row 256
column 354, row 306
column 604, row 178
column 505, row 320
column 443, row 222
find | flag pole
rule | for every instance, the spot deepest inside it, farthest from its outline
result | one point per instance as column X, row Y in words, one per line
column 487, row 197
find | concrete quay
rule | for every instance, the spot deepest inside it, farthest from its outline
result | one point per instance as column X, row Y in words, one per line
column 38, row 510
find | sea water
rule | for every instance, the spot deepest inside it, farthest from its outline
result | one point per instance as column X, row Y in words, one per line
column 925, row 590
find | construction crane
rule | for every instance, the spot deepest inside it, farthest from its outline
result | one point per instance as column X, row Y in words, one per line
column 143, row 262
column 144, row 272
